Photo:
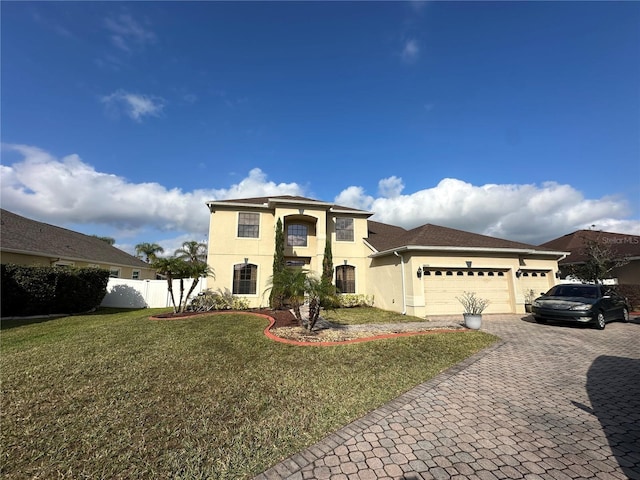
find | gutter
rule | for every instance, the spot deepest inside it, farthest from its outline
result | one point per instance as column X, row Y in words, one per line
column 529, row 251
column 404, row 295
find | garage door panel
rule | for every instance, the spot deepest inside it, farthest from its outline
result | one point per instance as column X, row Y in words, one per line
column 441, row 291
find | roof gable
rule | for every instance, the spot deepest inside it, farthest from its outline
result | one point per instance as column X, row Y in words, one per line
column 23, row 235
column 269, row 202
column 621, row 244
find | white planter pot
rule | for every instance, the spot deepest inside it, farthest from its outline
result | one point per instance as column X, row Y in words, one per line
column 472, row 321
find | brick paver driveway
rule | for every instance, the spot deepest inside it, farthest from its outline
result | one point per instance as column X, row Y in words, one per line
column 550, row 401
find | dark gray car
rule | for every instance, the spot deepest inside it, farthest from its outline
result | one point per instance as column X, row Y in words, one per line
column 582, row 303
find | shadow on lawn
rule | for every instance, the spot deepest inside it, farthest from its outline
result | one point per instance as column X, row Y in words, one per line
column 13, row 322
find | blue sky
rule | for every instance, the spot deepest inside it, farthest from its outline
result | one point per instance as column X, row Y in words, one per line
column 514, row 119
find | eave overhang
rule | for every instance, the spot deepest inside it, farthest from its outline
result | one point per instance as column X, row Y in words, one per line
column 431, row 248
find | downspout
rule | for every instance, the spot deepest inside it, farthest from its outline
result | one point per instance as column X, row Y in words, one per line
column 404, row 295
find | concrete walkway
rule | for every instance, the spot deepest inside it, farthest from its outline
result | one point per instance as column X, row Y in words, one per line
column 548, row 402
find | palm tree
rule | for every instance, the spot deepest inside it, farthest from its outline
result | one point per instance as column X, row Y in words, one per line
column 289, row 285
column 171, row 268
column 192, row 252
column 149, row 250
column 321, row 292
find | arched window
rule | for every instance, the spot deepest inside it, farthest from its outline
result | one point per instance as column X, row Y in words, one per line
column 245, row 279
column 297, row 235
column 346, row 279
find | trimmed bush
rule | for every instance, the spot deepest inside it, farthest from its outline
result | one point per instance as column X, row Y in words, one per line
column 349, row 300
column 632, row 292
column 45, row 290
column 218, row 300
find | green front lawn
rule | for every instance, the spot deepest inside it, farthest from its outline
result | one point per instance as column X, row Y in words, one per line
column 116, row 395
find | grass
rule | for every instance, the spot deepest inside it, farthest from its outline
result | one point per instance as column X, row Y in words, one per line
column 363, row 315
column 116, row 395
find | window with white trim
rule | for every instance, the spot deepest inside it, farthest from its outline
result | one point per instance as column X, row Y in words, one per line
column 346, row 279
column 135, row 275
column 245, row 279
column 344, row 229
column 248, row 225
column 114, row 272
column 297, row 235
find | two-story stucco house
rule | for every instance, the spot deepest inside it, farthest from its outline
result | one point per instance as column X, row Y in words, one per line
column 418, row 272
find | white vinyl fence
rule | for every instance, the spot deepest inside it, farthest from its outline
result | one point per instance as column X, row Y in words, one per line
column 126, row 293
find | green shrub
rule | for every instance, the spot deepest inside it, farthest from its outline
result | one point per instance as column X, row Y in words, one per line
column 218, row 300
column 45, row 290
column 349, row 300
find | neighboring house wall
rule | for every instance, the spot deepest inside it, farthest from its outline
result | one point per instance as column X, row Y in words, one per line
column 33, row 260
column 629, row 274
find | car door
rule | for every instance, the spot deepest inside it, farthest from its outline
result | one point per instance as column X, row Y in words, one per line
column 612, row 304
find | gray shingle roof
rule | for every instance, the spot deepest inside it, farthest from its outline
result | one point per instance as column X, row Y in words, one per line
column 620, row 244
column 384, row 237
column 23, row 235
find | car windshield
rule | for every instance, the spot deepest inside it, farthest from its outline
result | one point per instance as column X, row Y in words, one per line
column 583, row 291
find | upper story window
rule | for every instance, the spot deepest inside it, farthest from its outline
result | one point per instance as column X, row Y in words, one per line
column 297, row 235
column 249, row 225
column 344, row 229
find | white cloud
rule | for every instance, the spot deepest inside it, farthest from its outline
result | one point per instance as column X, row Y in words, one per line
column 134, row 105
column 390, row 187
column 82, row 195
column 527, row 213
column 127, row 34
column 410, row 51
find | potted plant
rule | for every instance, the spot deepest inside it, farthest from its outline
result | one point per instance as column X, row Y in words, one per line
column 529, row 297
column 473, row 308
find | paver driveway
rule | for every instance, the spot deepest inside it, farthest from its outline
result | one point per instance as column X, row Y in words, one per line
column 549, row 401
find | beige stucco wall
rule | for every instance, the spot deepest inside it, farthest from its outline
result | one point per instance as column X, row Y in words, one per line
column 386, row 280
column 34, row 260
column 226, row 249
column 629, row 274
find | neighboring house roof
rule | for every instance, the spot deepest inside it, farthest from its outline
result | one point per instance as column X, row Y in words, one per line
column 270, row 202
column 385, row 238
column 621, row 244
column 23, row 235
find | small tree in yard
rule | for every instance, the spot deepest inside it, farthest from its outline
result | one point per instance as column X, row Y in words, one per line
column 174, row 268
column 170, row 268
column 288, row 285
column 601, row 261
column 321, row 292
column 275, row 297
column 327, row 262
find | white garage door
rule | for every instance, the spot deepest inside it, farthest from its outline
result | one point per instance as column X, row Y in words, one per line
column 537, row 280
column 442, row 286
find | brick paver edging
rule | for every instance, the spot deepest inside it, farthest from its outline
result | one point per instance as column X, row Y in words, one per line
column 275, row 338
column 298, row 461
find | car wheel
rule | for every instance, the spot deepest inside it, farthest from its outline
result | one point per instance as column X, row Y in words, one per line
column 625, row 315
column 600, row 323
